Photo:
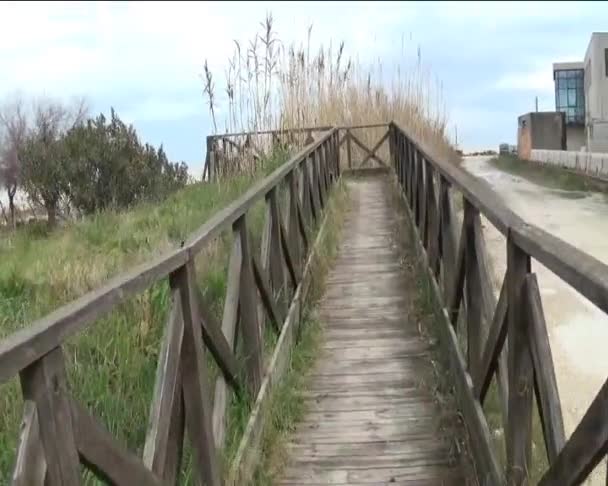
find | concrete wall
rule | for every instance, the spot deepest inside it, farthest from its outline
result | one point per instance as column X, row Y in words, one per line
column 575, row 138
column 590, row 163
column 596, row 93
column 540, row 130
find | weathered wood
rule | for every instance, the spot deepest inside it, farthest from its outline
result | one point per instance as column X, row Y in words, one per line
column 294, row 221
column 225, row 218
column 102, row 455
column 229, row 322
column 548, row 396
column 266, row 295
column 433, row 225
column 487, row 465
column 245, row 461
column 456, row 288
column 265, row 247
column 351, row 388
column 195, row 379
column 365, row 149
column 474, row 291
column 277, row 273
column 585, row 448
column 586, row 274
column 30, row 463
column 167, row 391
column 519, row 431
column 289, row 261
column 422, row 201
column 216, row 342
column 349, row 149
column 493, row 346
column 32, row 342
column 44, row 382
column 250, row 329
column 374, row 149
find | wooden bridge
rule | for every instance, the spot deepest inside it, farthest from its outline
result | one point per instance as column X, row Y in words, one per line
column 371, row 417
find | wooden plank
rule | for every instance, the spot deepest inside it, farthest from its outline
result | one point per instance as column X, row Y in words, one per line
column 243, row 466
column 473, row 290
column 294, row 221
column 216, row 342
column 195, row 379
column 586, row 274
column 36, row 340
column 375, row 149
column 277, row 274
column 456, row 288
column 349, row 149
column 44, row 382
column 365, row 149
column 229, row 322
column 250, row 329
column 519, row 431
column 291, row 267
column 223, row 219
column 548, row 396
column 266, row 295
column 264, row 255
column 585, row 448
column 487, row 464
column 101, row 454
column 30, row 464
column 167, row 391
column 493, row 346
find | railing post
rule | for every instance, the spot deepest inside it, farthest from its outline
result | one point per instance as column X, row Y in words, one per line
column 250, row 329
column 277, row 273
column 294, row 235
column 473, row 288
column 349, row 149
column 44, row 382
column 521, row 385
column 195, row 380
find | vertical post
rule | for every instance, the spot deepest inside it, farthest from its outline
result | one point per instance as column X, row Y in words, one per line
column 294, row 234
column 349, row 149
column 337, row 154
column 195, row 380
column 521, row 385
column 277, row 274
column 44, row 382
column 212, row 167
column 250, row 329
column 473, row 289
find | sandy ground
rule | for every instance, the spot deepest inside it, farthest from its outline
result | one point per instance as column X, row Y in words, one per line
column 578, row 331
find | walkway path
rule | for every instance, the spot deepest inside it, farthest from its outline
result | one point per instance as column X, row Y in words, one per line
column 371, row 418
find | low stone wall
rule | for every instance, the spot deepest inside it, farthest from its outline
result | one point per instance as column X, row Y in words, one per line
column 595, row 164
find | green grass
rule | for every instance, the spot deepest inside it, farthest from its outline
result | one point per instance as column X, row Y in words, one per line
column 546, row 175
column 111, row 366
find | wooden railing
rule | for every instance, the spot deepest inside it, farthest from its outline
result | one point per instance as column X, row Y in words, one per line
column 505, row 338
column 227, row 153
column 58, row 433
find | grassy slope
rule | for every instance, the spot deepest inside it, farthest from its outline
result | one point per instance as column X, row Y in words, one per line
column 112, row 365
column 547, row 175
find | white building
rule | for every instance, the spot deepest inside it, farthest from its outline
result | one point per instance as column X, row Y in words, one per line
column 581, row 92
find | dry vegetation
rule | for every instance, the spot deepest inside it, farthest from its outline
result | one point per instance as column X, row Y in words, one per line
column 269, row 85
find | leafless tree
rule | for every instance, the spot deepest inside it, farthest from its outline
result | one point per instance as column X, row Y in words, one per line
column 13, row 130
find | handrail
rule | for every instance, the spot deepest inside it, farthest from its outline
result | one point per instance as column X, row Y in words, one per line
column 459, row 269
column 579, row 269
column 59, row 432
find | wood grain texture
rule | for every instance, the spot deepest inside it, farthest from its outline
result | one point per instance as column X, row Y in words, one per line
column 370, row 417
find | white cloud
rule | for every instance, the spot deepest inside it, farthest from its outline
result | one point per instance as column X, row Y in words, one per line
column 535, row 80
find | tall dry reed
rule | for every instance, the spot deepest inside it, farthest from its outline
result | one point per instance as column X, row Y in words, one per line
column 270, row 85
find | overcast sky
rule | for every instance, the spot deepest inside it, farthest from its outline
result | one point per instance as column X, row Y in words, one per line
column 145, row 59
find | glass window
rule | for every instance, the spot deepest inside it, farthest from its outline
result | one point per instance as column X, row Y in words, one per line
column 571, row 97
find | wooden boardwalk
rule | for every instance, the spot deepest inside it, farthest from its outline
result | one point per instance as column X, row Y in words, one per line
column 371, row 418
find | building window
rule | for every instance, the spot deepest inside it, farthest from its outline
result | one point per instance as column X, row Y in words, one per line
column 570, row 95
